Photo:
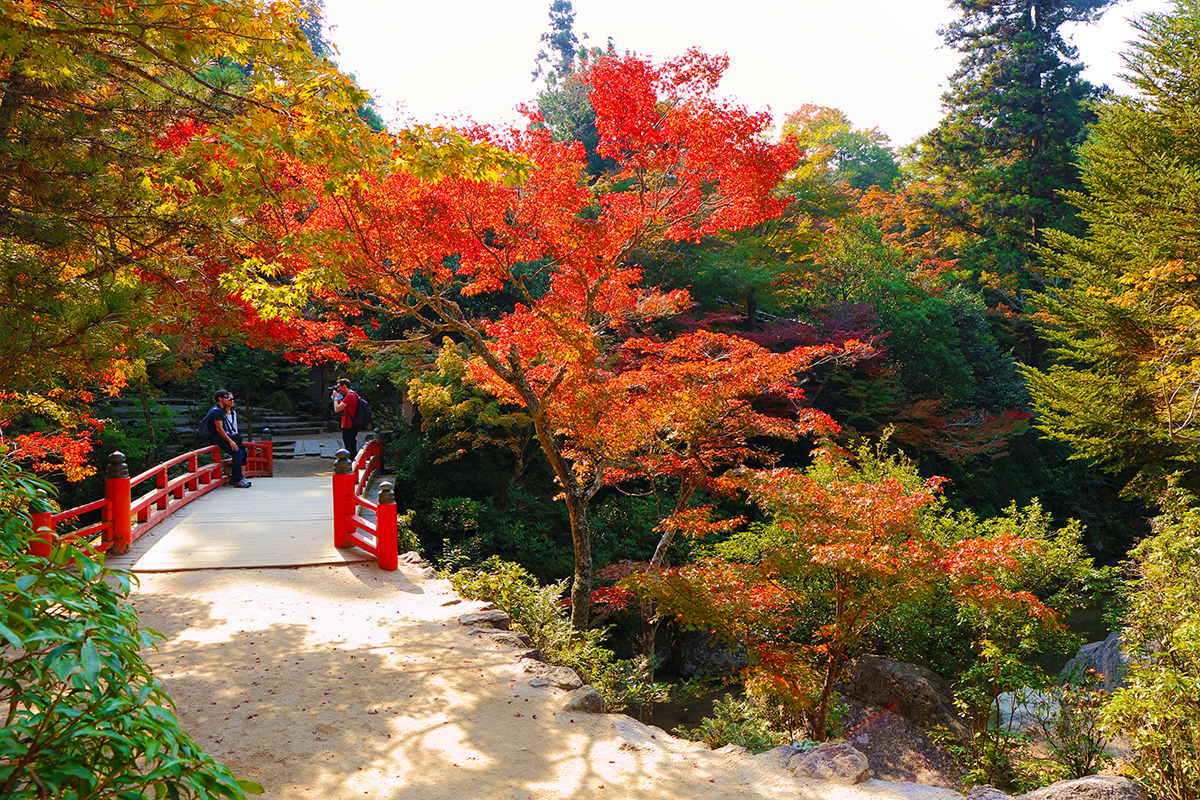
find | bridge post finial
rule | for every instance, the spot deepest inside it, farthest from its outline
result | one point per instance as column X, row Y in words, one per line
column 342, row 464
column 117, row 468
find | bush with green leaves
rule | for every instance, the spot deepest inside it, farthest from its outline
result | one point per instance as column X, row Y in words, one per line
column 1068, row 719
column 84, row 715
column 1010, row 643
column 537, row 611
column 1159, row 707
column 736, row 721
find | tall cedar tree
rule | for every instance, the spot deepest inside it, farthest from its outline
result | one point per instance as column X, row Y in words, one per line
column 397, row 244
column 560, row 62
column 1124, row 316
column 1015, row 112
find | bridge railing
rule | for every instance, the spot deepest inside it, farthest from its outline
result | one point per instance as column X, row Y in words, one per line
column 123, row 519
column 351, row 482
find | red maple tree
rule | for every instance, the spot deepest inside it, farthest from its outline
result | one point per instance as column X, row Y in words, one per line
column 510, row 218
column 851, row 536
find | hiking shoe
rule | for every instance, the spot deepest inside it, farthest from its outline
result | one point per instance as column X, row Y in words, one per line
column 241, row 485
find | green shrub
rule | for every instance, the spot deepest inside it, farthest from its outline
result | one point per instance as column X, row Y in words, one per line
column 736, row 721
column 1069, row 720
column 538, row 611
column 1159, row 707
column 84, row 716
column 406, row 539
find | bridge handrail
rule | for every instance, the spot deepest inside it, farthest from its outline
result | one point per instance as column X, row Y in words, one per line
column 118, row 510
column 350, row 480
column 166, row 465
column 367, row 465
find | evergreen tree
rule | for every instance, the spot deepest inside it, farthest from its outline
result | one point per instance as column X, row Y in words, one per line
column 312, row 19
column 1015, row 112
column 562, row 41
column 564, row 104
column 1125, row 390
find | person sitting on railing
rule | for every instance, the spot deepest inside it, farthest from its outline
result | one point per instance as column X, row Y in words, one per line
column 222, row 431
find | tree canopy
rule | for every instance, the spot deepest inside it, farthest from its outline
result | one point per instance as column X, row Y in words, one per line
column 114, row 227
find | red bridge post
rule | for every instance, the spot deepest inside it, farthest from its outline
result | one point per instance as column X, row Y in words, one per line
column 268, row 451
column 118, row 493
column 44, row 536
column 387, row 542
column 343, row 499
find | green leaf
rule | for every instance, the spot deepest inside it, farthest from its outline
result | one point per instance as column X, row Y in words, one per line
column 250, row 787
column 91, row 660
column 25, row 581
column 12, row 638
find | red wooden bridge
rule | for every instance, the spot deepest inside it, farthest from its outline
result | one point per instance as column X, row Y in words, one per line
column 168, row 518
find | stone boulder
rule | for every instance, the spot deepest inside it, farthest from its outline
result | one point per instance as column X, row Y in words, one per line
column 514, row 639
column 533, row 662
column 780, row 756
column 918, row 693
column 1106, row 657
column 1093, row 787
column 584, row 699
column 636, row 735
column 559, row 678
column 700, row 654
column 986, row 792
column 835, row 762
column 1023, row 712
column 492, row 618
column 897, row 749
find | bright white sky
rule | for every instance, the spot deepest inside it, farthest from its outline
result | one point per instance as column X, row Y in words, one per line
column 880, row 61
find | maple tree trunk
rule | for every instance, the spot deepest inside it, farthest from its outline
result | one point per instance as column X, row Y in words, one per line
column 832, row 663
column 581, row 532
column 647, row 607
column 831, row 671
column 581, row 538
column 686, row 490
column 153, row 455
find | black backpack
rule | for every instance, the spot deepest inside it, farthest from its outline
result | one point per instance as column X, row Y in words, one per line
column 202, row 433
column 362, row 414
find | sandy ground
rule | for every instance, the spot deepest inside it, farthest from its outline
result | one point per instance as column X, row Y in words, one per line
column 341, row 681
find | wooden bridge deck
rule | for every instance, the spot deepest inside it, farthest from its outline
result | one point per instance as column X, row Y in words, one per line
column 278, row 522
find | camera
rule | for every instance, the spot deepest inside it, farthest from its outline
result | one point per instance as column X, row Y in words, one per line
column 332, row 388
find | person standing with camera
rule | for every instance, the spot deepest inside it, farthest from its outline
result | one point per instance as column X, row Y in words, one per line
column 346, row 402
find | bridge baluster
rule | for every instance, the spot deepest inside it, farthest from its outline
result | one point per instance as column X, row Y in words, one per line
column 117, row 492
column 387, row 543
column 343, row 499
column 44, row 536
column 268, row 451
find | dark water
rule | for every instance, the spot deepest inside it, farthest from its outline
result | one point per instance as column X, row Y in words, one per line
column 1087, row 622
column 689, row 712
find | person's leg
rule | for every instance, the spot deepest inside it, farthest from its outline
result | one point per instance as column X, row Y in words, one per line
column 350, row 441
column 239, row 460
column 232, row 456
